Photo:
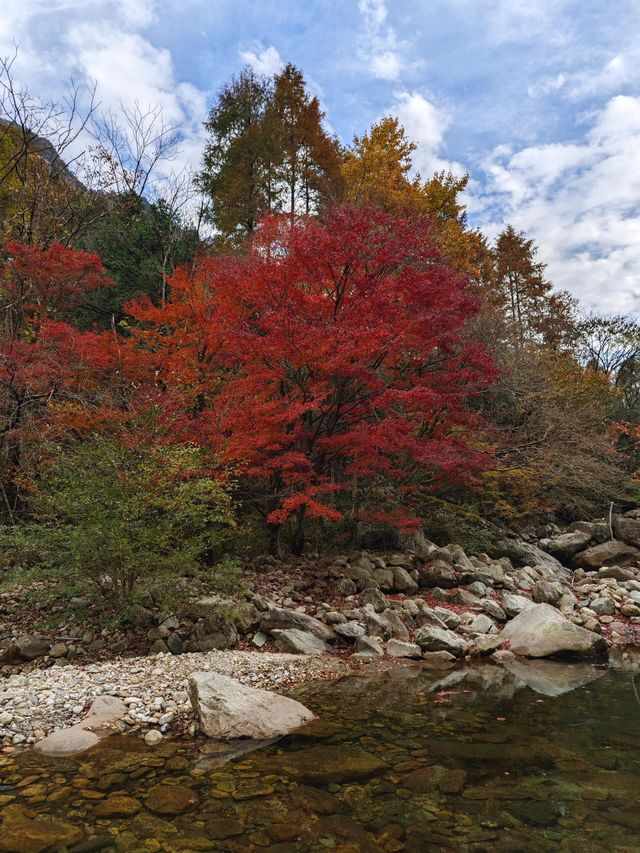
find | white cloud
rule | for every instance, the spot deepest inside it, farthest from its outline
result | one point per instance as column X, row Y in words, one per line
column 104, row 41
column 589, row 81
column 581, row 204
column 379, row 49
column 264, row 60
column 425, row 124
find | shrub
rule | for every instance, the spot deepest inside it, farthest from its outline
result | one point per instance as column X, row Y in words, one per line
column 122, row 519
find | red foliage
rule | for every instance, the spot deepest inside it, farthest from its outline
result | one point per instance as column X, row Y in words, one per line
column 331, row 353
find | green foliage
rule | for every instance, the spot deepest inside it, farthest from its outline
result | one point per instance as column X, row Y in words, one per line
column 446, row 522
column 123, row 519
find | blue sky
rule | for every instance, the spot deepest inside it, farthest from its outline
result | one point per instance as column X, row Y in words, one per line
column 539, row 100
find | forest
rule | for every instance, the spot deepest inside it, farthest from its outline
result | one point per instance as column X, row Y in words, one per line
column 303, row 346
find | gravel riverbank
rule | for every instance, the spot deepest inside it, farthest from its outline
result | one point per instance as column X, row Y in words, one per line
column 36, row 703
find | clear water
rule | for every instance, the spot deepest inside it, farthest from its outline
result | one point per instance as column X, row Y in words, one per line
column 543, row 757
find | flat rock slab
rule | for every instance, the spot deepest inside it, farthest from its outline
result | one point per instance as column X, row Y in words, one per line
column 228, row 709
column 280, row 617
column 541, row 631
column 100, row 721
column 608, row 554
column 299, row 642
column 24, row 832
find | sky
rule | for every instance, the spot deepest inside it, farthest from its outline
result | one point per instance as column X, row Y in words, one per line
column 537, row 100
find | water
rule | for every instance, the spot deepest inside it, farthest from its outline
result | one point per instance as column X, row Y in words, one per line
column 543, row 757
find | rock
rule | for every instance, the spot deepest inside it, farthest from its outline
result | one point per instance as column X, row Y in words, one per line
column 67, row 741
column 371, row 646
column 438, row 660
column 227, row 709
column 627, row 529
column 384, row 578
column 616, row 572
column 299, row 642
column 402, row 580
column 445, row 618
column 279, row 617
column 323, row 765
column 58, row 650
column 153, row 737
column 334, row 617
column 432, row 639
column 24, row 832
column 31, row 647
column 438, row 573
column 609, row 553
column 174, row 643
column 400, row 649
column 350, row 630
column 523, row 554
column 477, row 588
column 485, row 644
column 217, row 631
column 567, row 544
column 375, row 598
column 158, row 647
column 490, row 574
column 493, row 609
column 117, row 805
column 385, row 625
column 603, row 606
column 346, row 587
column 454, row 555
column 503, row 656
column 545, row 592
column 171, row 799
column 542, row 631
column 482, row 624
column 515, row 604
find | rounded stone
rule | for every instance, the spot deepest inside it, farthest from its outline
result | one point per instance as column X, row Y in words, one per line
column 171, row 799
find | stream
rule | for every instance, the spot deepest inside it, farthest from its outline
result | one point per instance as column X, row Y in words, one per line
column 533, row 756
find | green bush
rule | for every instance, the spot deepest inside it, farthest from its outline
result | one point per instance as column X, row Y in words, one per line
column 121, row 520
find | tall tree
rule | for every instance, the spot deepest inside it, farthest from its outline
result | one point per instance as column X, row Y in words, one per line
column 337, row 359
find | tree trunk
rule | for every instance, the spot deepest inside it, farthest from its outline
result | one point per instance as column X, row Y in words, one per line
column 273, row 533
column 297, row 545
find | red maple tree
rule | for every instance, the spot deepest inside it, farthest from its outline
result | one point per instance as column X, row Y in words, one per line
column 331, row 354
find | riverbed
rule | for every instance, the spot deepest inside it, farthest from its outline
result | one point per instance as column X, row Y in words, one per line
column 532, row 756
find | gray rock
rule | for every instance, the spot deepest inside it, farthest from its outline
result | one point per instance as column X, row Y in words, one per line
column 375, row 598
column 280, row 618
column 386, row 625
column 259, row 639
column 227, row 709
column 493, row 609
column 384, row 578
column 439, row 660
column 432, row 639
column 523, row 554
column 567, row 544
column 542, row 631
column 401, row 649
column 371, row 646
column 490, row 574
column 445, row 618
column 58, row 650
column 514, row 604
column 438, row 574
column 350, row 630
column 333, row 617
column 616, row 572
column 545, row 592
column 477, row 588
column 607, row 554
column 153, row 737
column 32, row 647
column 482, row 625
column 627, row 529
column 174, row 643
column 603, row 606
column 402, row 580
column 485, row 644
column 346, row 587
column 159, row 647
column 299, row 642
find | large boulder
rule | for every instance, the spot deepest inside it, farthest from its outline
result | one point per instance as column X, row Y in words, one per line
column 299, row 642
column 627, row 529
column 524, row 554
column 541, row 631
column 438, row 574
column 227, row 709
column 608, row 553
column 431, row 639
column 566, row 545
column 280, row 618
column 32, row 647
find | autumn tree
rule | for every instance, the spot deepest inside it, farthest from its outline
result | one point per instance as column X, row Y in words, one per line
column 42, row 358
column 330, row 356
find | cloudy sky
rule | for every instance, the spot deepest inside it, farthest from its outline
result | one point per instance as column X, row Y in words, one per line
column 539, row 100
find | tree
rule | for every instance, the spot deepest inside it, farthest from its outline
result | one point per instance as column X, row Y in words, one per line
column 236, row 173
column 533, row 311
column 330, row 355
column 41, row 357
column 267, row 151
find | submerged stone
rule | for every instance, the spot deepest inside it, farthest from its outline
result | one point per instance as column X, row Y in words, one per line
column 325, row 764
column 171, row 799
